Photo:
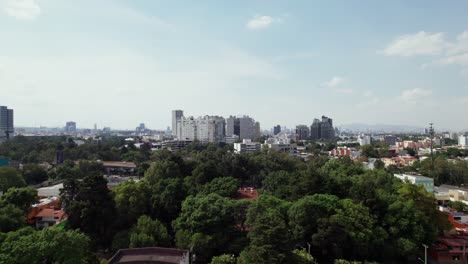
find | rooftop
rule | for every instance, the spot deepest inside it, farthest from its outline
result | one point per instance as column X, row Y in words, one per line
column 150, row 255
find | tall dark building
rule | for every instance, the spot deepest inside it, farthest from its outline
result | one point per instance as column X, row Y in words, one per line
column 276, row 129
column 7, row 128
column 302, row 132
column 322, row 129
column 70, row 127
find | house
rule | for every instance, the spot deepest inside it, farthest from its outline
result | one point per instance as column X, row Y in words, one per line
column 345, row 151
column 119, row 167
column 248, row 193
column 401, row 161
column 46, row 213
column 156, row 255
column 455, row 194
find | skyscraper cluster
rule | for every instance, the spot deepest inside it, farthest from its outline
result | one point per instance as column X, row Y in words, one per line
column 7, row 129
column 322, row 129
column 213, row 129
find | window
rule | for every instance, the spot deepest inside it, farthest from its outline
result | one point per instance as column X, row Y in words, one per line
column 456, row 258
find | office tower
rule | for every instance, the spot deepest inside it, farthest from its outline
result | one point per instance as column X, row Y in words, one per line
column 257, row 130
column 7, row 128
column 276, row 129
column 141, row 128
column 302, row 132
column 315, row 131
column 246, row 128
column 176, row 117
column 326, row 128
column 70, row 127
column 463, row 140
column 322, row 129
column 232, row 126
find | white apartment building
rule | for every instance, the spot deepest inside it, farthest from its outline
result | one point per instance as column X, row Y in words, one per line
column 364, row 140
column 207, row 129
column 463, row 140
column 247, row 146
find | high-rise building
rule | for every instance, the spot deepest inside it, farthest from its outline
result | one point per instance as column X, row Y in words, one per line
column 141, row 128
column 203, row 129
column 276, row 129
column 302, row 132
column 176, row 117
column 70, row 127
column 7, row 128
column 322, row 129
column 232, row 126
column 364, row 140
column 463, row 140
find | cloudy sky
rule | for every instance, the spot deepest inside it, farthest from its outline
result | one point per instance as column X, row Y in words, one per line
column 119, row 63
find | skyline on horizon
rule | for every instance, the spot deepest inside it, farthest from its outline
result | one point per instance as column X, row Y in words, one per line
column 121, row 63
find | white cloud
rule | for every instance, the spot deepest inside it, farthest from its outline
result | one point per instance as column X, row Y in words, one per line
column 22, row 9
column 459, row 59
column 261, row 22
column 416, row 94
column 334, row 82
column 421, row 43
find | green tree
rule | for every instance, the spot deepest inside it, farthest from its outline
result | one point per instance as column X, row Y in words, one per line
column 224, row 186
column 11, row 217
column 49, row 245
column 302, row 257
column 22, row 198
column 10, row 177
column 205, row 224
column 34, row 174
column 92, row 210
column 149, row 233
column 132, row 200
column 224, row 259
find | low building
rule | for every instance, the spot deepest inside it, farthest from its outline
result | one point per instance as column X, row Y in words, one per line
column 345, row 151
column 455, row 194
column 426, row 182
column 247, row 146
column 46, row 213
column 175, row 145
column 119, row 167
column 400, row 162
column 50, row 191
column 286, row 148
column 151, row 255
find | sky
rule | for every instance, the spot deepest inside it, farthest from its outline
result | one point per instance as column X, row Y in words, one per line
column 120, row 63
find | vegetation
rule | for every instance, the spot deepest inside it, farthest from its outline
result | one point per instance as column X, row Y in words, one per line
column 186, row 199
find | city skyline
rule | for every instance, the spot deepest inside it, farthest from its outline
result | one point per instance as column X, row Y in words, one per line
column 373, row 63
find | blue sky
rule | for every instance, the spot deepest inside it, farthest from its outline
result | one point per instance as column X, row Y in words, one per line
column 119, row 63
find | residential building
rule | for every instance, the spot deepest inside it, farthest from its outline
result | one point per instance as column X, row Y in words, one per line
column 401, row 161
column 247, row 146
column 390, row 140
column 345, row 151
column 276, row 129
column 7, row 129
column 302, row 132
column 364, row 140
column 70, row 127
column 278, row 139
column 176, row 117
column 322, row 129
column 463, row 140
column 426, row 182
column 149, row 255
column 244, row 127
column 203, row 129
column 46, row 213
column 280, row 147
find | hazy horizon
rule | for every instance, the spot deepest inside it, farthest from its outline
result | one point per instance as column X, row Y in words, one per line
column 121, row 63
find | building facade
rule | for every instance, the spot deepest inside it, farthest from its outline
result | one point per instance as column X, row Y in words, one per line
column 70, row 127
column 176, row 118
column 7, row 129
column 302, row 132
column 322, row 129
column 276, row 129
column 247, row 146
column 463, row 140
column 426, row 182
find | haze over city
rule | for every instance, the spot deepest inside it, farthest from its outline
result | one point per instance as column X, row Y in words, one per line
column 118, row 63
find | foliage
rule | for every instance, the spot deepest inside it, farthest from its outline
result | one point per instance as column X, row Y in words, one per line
column 22, row 198
column 49, row 245
column 11, row 218
column 34, row 174
column 149, row 233
column 10, row 177
column 224, row 259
